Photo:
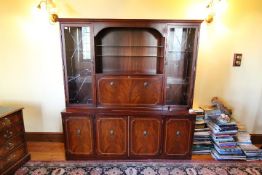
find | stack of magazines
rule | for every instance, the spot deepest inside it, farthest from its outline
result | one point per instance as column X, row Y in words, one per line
column 244, row 141
column 251, row 151
column 202, row 143
column 223, row 136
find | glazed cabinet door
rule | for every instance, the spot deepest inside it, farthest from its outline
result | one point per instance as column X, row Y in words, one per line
column 111, row 135
column 145, row 136
column 178, row 137
column 181, row 55
column 79, row 136
column 78, row 64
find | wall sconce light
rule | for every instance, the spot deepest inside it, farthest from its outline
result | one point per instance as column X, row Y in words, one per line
column 213, row 7
column 50, row 7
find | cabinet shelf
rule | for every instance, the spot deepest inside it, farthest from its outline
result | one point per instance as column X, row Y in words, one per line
column 129, row 46
column 180, row 51
column 130, row 56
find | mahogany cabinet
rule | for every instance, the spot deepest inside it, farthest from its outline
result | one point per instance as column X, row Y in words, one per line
column 128, row 85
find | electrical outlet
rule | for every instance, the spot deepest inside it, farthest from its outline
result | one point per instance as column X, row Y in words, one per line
column 237, row 59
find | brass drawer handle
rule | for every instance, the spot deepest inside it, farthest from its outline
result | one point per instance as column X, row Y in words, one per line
column 8, row 134
column 112, row 83
column 178, row 133
column 7, row 121
column 145, row 133
column 11, row 157
column 9, row 146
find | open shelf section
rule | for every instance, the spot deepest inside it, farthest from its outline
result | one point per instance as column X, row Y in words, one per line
column 129, row 50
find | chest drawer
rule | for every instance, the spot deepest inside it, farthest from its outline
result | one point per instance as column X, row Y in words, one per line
column 11, row 144
column 10, row 120
column 130, row 90
column 5, row 135
column 13, row 157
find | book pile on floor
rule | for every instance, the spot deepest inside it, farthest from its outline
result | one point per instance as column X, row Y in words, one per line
column 231, row 139
column 202, row 143
column 244, row 141
column 225, row 145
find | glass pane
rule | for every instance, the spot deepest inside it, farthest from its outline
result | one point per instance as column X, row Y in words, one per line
column 179, row 63
column 78, row 64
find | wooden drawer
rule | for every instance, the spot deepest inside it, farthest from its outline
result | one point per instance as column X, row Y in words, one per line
column 145, row 136
column 177, row 139
column 79, row 135
column 130, row 90
column 10, row 144
column 11, row 132
column 10, row 120
column 13, row 157
column 111, row 134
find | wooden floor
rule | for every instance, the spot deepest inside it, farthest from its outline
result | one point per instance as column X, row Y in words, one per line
column 48, row 151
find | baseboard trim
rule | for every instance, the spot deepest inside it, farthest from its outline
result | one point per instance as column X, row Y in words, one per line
column 256, row 138
column 44, row 137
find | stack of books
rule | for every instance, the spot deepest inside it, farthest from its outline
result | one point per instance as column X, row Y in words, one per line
column 223, row 136
column 251, row 151
column 202, row 143
column 244, row 141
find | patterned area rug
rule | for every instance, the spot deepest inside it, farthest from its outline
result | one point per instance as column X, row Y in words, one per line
column 143, row 167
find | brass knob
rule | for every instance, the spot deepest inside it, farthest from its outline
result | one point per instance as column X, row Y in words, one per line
column 112, row 83
column 112, row 132
column 78, row 132
column 178, row 133
column 146, row 84
column 145, row 133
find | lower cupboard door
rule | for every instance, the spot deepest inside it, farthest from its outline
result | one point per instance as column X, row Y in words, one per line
column 145, row 136
column 111, row 136
column 79, row 135
column 177, row 139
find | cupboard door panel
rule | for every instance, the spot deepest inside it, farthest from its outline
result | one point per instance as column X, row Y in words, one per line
column 79, row 134
column 177, row 136
column 145, row 136
column 111, row 134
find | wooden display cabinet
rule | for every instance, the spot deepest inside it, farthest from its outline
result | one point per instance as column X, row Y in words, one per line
column 127, row 81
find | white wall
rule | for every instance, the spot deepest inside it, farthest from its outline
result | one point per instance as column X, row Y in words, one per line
column 31, row 64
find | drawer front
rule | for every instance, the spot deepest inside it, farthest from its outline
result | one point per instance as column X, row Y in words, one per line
column 14, row 157
column 10, row 144
column 11, row 120
column 177, row 139
column 10, row 132
column 130, row 90
column 145, row 136
column 79, row 135
column 111, row 136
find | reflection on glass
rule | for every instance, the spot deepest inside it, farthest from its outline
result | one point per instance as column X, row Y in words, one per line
column 179, row 61
column 78, row 64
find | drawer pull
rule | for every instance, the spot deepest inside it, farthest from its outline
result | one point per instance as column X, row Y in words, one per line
column 112, row 83
column 10, row 146
column 146, row 84
column 78, row 132
column 145, row 133
column 7, row 121
column 112, row 132
column 12, row 157
column 178, row 133
column 8, row 134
